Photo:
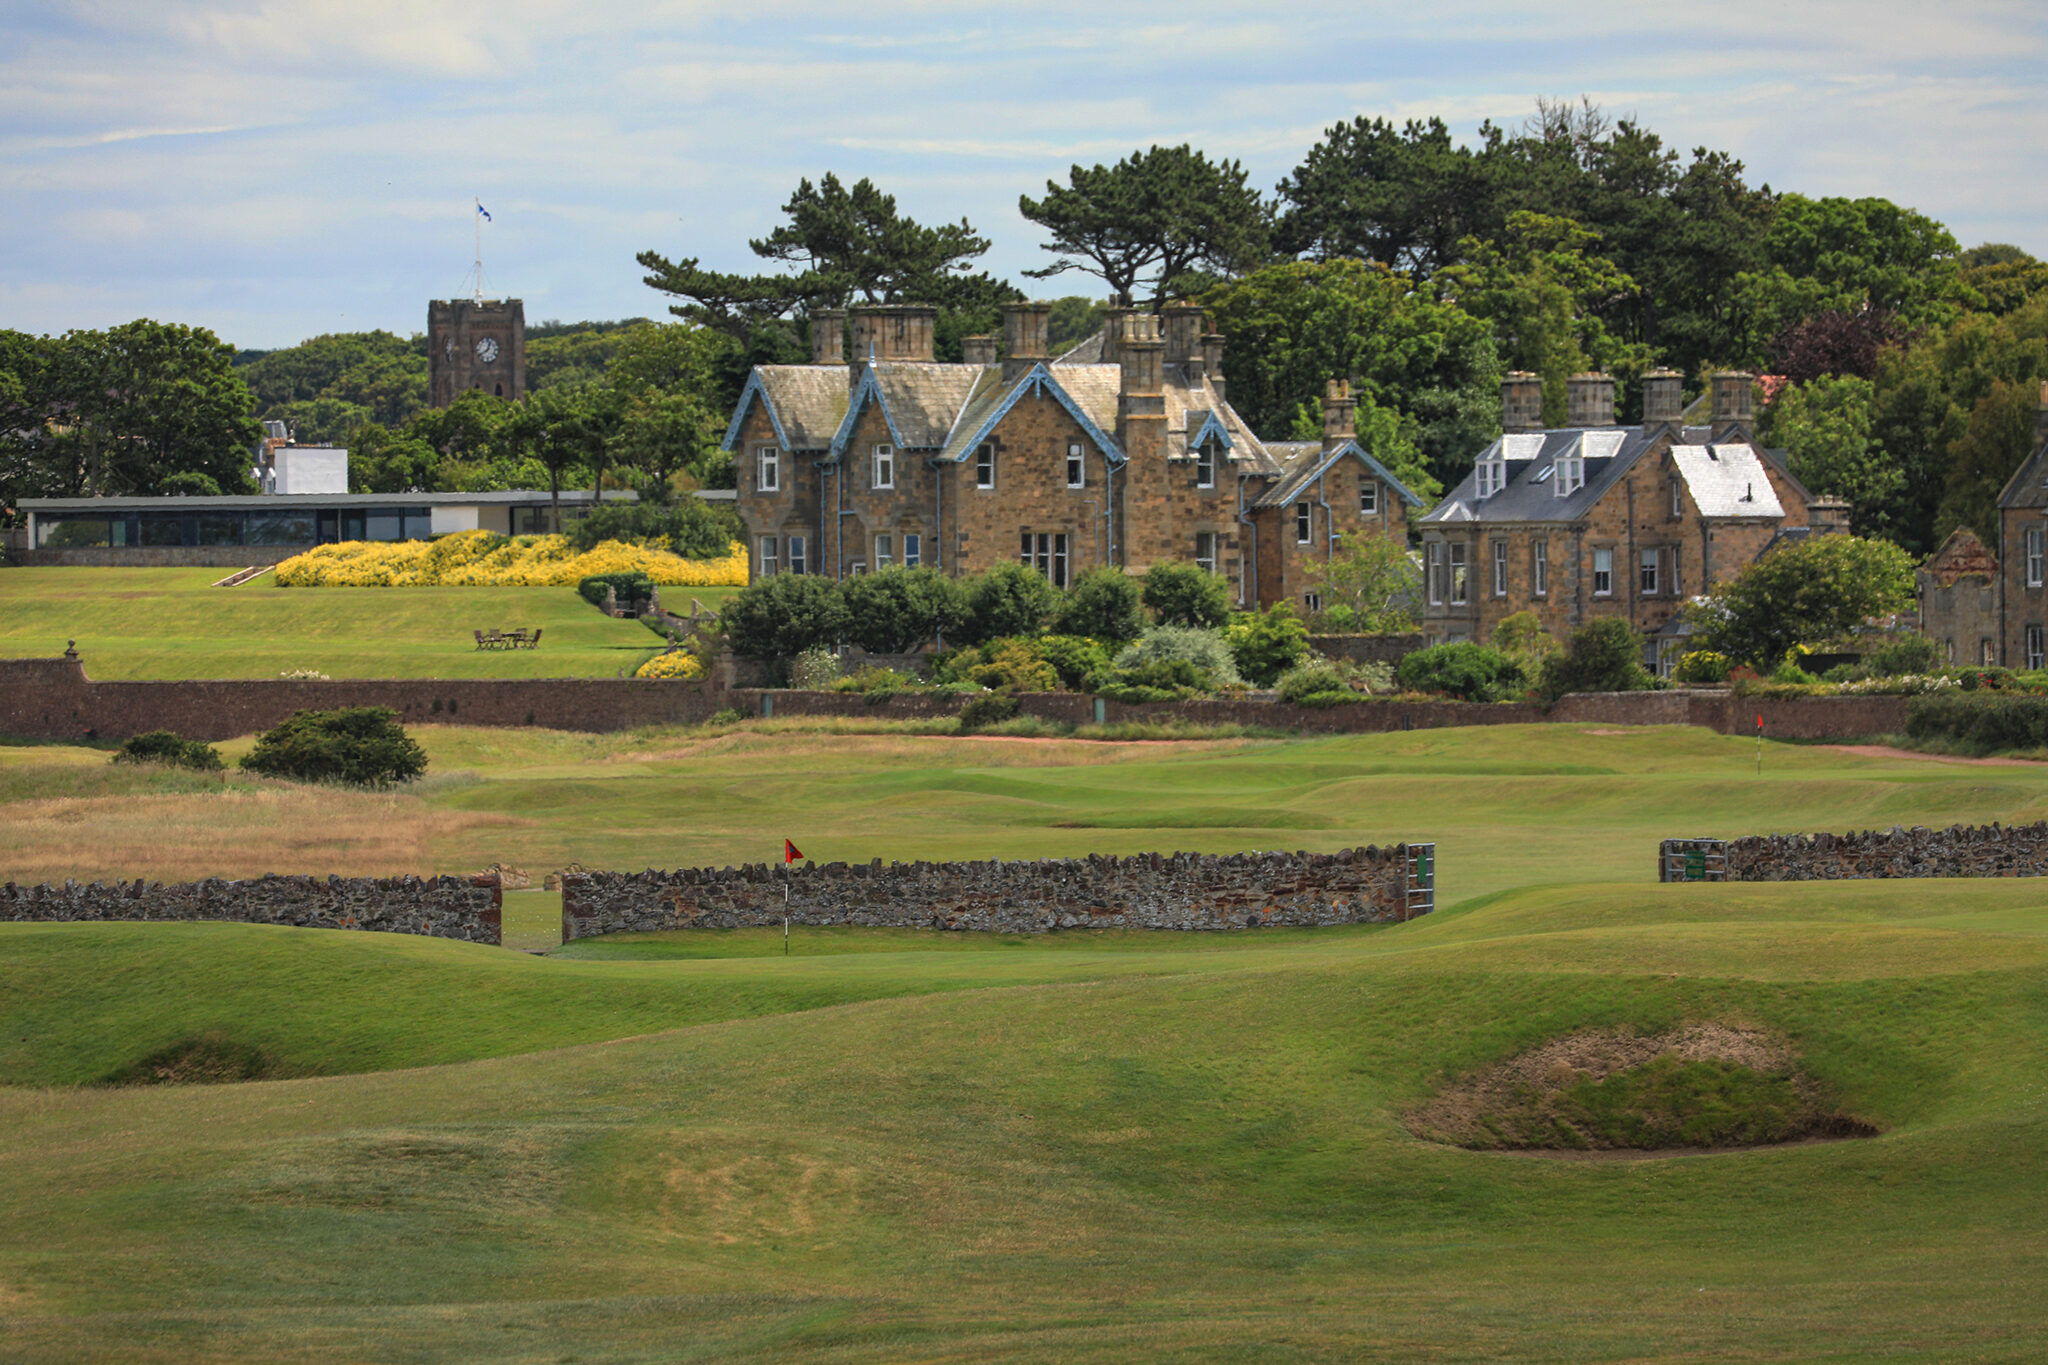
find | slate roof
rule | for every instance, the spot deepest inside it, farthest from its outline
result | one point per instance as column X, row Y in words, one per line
column 1301, row 461
column 1727, row 481
column 805, row 402
column 1724, row 480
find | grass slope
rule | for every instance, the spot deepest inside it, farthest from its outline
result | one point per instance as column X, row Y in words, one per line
column 169, row 624
column 1083, row 1147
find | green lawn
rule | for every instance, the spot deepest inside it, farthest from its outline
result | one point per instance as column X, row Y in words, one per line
column 169, row 623
column 1086, row 1146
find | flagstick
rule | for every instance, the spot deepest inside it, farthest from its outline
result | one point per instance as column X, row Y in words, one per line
column 785, row 917
column 1759, row 746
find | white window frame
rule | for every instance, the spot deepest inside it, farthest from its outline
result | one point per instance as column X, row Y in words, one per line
column 1500, row 568
column 913, row 550
column 2036, row 537
column 764, row 548
column 1492, row 477
column 1368, row 497
column 1077, row 466
column 1647, row 571
column 1571, row 474
column 1435, row 573
column 1460, row 578
column 857, row 568
column 985, row 465
column 1205, row 539
column 885, row 550
column 1313, row 601
column 1539, row 568
column 798, row 563
column 1304, row 524
column 1677, row 499
column 884, row 467
column 767, row 469
column 1603, row 570
column 1205, row 465
column 2037, row 654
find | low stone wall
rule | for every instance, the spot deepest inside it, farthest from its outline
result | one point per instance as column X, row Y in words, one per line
column 1188, row 891
column 468, row 908
column 1367, row 649
column 1958, row 851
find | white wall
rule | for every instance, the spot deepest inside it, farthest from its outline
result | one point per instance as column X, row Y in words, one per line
column 448, row 520
column 312, row 469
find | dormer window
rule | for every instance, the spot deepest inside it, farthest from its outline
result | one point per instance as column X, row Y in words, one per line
column 1492, row 477
column 1205, row 465
column 1571, row 474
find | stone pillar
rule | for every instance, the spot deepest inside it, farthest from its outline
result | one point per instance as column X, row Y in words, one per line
column 1589, row 400
column 1521, row 401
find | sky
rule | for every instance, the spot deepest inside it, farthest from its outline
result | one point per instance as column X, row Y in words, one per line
column 273, row 171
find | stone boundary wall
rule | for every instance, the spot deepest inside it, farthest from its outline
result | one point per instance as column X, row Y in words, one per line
column 1367, row 649
column 1958, row 851
column 157, row 556
column 1188, row 891
column 54, row 699
column 468, row 908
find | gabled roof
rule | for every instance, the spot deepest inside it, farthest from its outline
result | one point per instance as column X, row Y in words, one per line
column 1303, row 462
column 994, row 403
column 920, row 400
column 2031, row 476
column 1529, row 494
column 804, row 403
column 1960, row 556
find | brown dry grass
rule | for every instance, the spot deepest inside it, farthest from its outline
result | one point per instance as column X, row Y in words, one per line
column 237, row 832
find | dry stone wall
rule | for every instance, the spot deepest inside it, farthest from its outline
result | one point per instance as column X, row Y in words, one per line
column 1189, row 891
column 467, row 908
column 1958, row 851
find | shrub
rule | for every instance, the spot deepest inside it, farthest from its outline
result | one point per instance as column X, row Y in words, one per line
column 1266, row 644
column 1103, row 604
column 1012, row 665
column 895, row 610
column 1080, row 662
column 1315, row 684
column 784, row 615
column 1902, row 654
column 814, row 669
column 1979, row 722
column 484, row 559
column 1522, row 637
column 161, row 746
column 1008, row 600
column 1204, row 649
column 673, row 663
column 1806, row 589
column 1789, row 672
column 1466, row 671
column 631, row 585
column 1187, row 595
column 361, row 745
column 1158, row 680
column 990, row 710
column 878, row 682
column 1603, row 656
column 690, row 527
column 1702, row 666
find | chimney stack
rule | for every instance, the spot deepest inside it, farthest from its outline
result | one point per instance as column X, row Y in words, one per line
column 1024, row 330
column 1184, row 324
column 828, row 336
column 896, row 331
column 1828, row 515
column 1733, row 406
column 1141, row 398
column 1663, row 400
column 1113, row 332
column 1521, row 402
column 1212, row 362
column 979, row 350
column 1589, row 400
column 1339, row 424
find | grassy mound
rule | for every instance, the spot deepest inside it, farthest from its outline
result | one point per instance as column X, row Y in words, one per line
column 1707, row 1085
column 210, row 1059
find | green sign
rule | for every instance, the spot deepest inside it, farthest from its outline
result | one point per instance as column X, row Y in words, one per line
column 1696, row 865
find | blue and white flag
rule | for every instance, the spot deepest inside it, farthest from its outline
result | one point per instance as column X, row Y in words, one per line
column 484, row 211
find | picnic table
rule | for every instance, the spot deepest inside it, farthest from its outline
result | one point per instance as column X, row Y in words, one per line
column 520, row 638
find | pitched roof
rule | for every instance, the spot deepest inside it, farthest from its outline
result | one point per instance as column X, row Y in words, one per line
column 805, row 403
column 1960, row 555
column 1070, row 388
column 1727, row 481
column 1529, row 491
column 1302, row 462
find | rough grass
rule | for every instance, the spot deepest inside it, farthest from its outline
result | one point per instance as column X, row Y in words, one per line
column 169, row 624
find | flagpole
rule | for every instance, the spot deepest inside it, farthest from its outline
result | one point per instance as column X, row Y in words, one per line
column 477, row 220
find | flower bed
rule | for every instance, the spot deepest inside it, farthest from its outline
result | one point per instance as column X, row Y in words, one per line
column 484, row 559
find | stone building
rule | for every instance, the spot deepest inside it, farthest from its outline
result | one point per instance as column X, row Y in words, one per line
column 1960, row 592
column 1123, row 451
column 1594, row 519
column 475, row 344
column 2023, row 553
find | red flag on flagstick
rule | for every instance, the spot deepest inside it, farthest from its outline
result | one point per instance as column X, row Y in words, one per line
column 790, row 853
column 1759, row 723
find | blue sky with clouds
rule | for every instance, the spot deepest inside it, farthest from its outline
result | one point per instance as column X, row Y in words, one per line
column 275, row 170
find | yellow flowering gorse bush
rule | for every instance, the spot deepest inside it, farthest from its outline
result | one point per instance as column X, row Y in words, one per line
column 485, row 559
column 677, row 664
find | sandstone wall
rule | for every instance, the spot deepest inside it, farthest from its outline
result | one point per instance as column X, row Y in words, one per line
column 1188, row 891
column 1958, row 851
column 466, row 908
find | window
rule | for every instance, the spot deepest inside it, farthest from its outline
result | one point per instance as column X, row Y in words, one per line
column 885, row 551
column 913, row 550
column 1435, row 573
column 985, row 465
column 1205, row 550
column 1571, row 474
column 1603, row 573
column 767, row 469
column 767, row 557
column 1046, row 552
column 1539, row 568
column 1301, row 523
column 1077, row 471
column 1987, row 654
column 1313, row 601
column 857, row 568
column 1368, row 498
column 1457, row 575
column 797, row 563
column 1205, row 466
column 1500, row 568
column 2034, row 547
column 1649, row 573
column 1492, row 476
column 2035, row 657
column 885, row 467
column 1677, row 499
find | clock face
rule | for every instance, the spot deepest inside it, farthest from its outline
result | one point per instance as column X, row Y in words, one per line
column 487, row 350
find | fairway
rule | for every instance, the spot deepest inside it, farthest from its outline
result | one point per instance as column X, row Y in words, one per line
column 170, row 624
column 916, row 1146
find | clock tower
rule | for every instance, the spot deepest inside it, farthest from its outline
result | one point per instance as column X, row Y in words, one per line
column 475, row 344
